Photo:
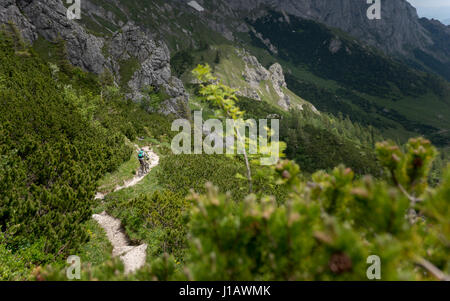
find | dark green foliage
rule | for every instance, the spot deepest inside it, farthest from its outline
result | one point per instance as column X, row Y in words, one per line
column 320, row 141
column 316, row 149
column 52, row 154
column 217, row 58
column 153, row 98
column 441, row 41
column 181, row 173
column 437, row 210
column 127, row 69
column 182, row 61
column 158, row 219
column 55, row 54
column 369, row 87
column 257, row 240
column 325, row 230
column 61, row 130
column 361, row 110
column 259, row 110
column 130, row 118
column 329, row 226
column 328, row 101
column 307, row 43
column 12, row 266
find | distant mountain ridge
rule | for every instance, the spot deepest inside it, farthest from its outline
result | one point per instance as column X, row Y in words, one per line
column 333, row 56
column 400, row 32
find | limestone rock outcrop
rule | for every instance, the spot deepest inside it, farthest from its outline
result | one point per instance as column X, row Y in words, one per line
column 254, row 74
column 47, row 18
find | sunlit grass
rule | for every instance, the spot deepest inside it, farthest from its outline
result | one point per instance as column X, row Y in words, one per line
column 125, row 172
column 98, row 249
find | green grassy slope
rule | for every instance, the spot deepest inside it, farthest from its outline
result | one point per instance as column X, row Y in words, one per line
column 53, row 151
column 60, row 143
column 58, row 138
column 228, row 66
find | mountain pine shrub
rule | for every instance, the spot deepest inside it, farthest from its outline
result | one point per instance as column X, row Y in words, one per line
column 327, row 228
column 53, row 151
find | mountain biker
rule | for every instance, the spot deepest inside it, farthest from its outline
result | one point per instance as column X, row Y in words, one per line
column 142, row 156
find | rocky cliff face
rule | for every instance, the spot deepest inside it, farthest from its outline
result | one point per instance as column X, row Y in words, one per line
column 50, row 21
column 47, row 18
column 399, row 25
column 278, row 82
column 255, row 74
column 399, row 32
column 153, row 58
column 10, row 14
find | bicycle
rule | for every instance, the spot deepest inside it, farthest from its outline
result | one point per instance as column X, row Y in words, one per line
column 144, row 168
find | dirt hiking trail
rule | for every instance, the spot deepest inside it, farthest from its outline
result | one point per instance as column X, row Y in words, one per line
column 133, row 257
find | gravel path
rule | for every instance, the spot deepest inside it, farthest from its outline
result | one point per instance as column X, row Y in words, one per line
column 154, row 161
column 133, row 257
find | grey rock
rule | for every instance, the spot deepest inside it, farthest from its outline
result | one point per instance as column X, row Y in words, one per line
column 10, row 14
column 154, row 61
column 47, row 18
column 279, row 82
column 398, row 27
column 255, row 73
column 335, row 45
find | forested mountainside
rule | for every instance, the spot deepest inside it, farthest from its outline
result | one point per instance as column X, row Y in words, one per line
column 368, row 87
column 389, row 73
column 79, row 97
column 399, row 32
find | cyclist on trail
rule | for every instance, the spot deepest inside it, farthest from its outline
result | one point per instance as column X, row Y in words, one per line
column 142, row 156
